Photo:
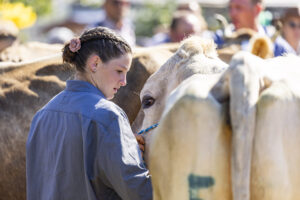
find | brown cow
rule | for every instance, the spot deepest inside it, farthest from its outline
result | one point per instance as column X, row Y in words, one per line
column 240, row 136
column 19, row 52
column 145, row 62
column 12, row 50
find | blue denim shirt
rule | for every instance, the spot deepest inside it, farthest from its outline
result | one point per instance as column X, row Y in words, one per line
column 81, row 146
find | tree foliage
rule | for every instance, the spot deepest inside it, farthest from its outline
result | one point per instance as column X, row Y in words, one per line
column 152, row 15
column 22, row 16
column 41, row 7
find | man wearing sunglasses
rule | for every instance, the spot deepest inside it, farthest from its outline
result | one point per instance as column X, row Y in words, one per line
column 289, row 41
column 116, row 18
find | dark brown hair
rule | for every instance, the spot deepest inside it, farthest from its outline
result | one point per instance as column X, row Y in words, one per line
column 183, row 14
column 101, row 41
column 290, row 12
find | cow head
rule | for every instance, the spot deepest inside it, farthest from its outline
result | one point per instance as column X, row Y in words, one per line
column 195, row 56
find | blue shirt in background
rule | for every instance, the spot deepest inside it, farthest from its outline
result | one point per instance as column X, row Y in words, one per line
column 280, row 45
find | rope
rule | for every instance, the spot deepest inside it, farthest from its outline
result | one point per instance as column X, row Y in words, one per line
column 148, row 129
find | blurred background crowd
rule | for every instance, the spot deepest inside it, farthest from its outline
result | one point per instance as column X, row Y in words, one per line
column 151, row 22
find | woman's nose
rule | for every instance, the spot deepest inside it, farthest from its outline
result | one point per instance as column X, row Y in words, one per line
column 123, row 80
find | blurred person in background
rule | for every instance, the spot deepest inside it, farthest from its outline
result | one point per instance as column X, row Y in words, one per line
column 289, row 41
column 243, row 14
column 194, row 7
column 59, row 35
column 116, row 19
column 184, row 23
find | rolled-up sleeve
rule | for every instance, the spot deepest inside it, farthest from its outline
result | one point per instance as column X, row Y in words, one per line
column 121, row 162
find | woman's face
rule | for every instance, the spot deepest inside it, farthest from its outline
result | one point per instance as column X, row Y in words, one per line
column 291, row 29
column 110, row 76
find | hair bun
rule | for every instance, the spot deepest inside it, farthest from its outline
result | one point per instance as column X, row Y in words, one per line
column 68, row 55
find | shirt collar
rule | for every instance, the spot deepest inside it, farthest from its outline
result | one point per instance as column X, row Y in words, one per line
column 82, row 86
column 287, row 46
column 262, row 30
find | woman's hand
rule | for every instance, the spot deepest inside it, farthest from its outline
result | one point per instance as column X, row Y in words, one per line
column 141, row 142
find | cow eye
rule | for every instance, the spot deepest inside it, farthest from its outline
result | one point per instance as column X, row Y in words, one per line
column 147, row 102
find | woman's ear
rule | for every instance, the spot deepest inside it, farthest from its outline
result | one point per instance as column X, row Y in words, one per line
column 93, row 62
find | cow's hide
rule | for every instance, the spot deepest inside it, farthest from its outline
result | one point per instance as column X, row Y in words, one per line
column 18, row 52
column 26, row 87
column 216, row 131
column 191, row 145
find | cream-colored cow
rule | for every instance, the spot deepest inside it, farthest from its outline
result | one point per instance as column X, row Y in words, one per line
column 190, row 150
column 196, row 55
column 216, row 131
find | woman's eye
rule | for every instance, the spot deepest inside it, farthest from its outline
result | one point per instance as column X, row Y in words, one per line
column 147, row 102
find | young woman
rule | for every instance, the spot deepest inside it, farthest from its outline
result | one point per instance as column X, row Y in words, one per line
column 80, row 145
